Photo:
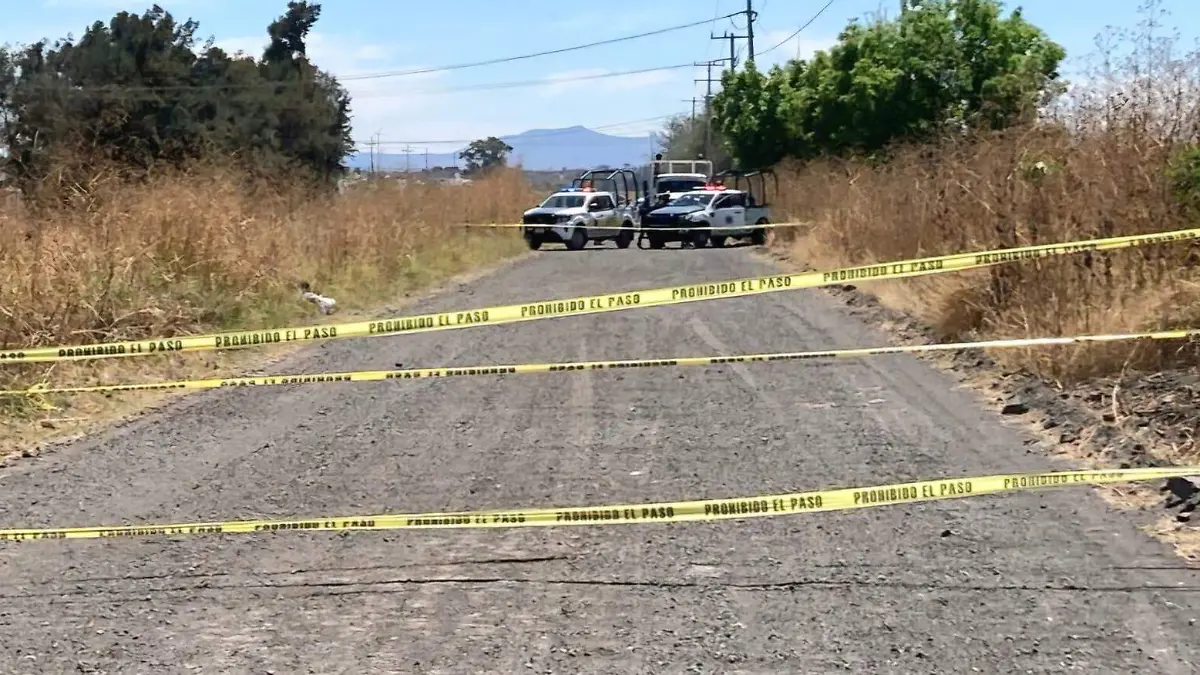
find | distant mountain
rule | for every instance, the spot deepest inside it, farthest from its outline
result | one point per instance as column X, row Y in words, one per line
column 536, row 150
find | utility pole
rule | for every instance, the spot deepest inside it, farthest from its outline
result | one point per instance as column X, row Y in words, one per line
column 708, row 95
column 732, row 46
column 750, row 15
column 693, row 100
column 407, row 158
column 374, row 143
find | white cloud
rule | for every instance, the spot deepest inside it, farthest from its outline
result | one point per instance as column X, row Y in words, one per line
column 797, row 47
column 421, row 107
column 377, row 104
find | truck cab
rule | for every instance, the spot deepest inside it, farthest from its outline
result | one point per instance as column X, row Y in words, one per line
column 673, row 177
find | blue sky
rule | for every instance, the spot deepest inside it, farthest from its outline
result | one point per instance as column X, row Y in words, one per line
column 370, row 36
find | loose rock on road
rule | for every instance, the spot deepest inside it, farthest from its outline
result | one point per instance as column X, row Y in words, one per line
column 1033, row 582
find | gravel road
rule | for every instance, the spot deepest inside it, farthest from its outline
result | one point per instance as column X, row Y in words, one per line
column 1036, row 582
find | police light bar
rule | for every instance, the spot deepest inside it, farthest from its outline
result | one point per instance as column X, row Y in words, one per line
column 713, row 186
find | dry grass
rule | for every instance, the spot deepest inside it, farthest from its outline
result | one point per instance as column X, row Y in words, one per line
column 201, row 252
column 1097, row 167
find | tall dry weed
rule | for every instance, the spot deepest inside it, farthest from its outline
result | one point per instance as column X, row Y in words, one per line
column 203, row 252
column 1105, row 162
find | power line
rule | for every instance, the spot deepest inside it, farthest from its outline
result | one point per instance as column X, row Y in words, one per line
column 798, row 30
column 115, row 89
column 402, row 73
column 510, row 59
column 525, row 83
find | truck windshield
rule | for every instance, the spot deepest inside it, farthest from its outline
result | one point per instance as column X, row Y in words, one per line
column 563, row 202
column 692, row 199
column 678, row 184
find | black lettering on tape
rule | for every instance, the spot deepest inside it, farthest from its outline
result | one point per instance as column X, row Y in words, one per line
column 553, row 308
column 884, row 495
column 804, row 502
column 782, row 281
column 298, row 525
column 358, row 524
column 320, row 332
column 1027, row 482
column 627, row 300
column 95, row 350
column 736, row 507
column 853, row 273
column 468, row 318
column 704, row 291
column 243, row 340
column 508, row 518
column 400, row 325
column 443, row 521
column 955, row 488
column 588, row 516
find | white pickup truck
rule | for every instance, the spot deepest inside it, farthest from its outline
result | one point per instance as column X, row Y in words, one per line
column 581, row 213
column 721, row 212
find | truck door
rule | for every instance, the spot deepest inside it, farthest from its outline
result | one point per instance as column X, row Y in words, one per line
column 605, row 213
column 730, row 211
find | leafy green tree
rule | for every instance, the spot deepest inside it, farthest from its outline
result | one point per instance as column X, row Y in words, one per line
column 485, row 154
column 684, row 138
column 941, row 66
column 748, row 112
column 136, row 93
column 313, row 109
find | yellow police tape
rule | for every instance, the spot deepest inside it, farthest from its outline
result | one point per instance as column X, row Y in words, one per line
column 842, row 499
column 767, row 226
column 37, row 391
column 578, row 306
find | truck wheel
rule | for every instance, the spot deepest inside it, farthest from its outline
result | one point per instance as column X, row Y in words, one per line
column 578, row 239
column 718, row 241
column 625, row 238
column 698, row 239
column 656, row 241
column 759, row 236
column 534, row 242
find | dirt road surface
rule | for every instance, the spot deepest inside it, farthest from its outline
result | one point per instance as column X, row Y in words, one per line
column 1035, row 582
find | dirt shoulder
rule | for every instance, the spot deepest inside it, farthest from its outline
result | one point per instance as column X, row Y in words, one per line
column 37, row 426
column 1136, row 419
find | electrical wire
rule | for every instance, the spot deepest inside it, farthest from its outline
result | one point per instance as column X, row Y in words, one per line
column 113, row 90
column 402, row 73
column 523, row 83
column 798, row 30
column 510, row 59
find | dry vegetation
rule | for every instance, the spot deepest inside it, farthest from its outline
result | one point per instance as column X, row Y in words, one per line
column 1118, row 157
column 201, row 252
